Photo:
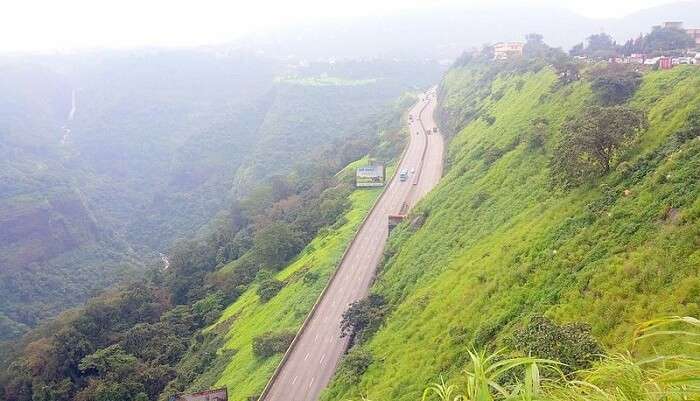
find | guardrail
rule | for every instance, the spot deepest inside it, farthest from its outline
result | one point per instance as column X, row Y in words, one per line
column 314, row 308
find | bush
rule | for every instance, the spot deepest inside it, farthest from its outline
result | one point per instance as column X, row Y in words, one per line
column 615, row 83
column 268, row 288
column 363, row 318
column 491, row 155
column 356, row 363
column 270, row 343
column 208, row 309
column 570, row 344
column 488, row 119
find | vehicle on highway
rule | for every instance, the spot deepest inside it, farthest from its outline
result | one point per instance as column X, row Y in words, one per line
column 434, row 129
column 413, row 171
column 403, row 175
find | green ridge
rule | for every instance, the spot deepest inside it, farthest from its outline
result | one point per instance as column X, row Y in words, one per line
column 500, row 246
column 245, row 374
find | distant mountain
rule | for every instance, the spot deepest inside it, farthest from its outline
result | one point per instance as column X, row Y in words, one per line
column 444, row 32
column 642, row 21
column 108, row 158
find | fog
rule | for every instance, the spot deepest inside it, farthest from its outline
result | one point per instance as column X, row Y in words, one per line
column 49, row 26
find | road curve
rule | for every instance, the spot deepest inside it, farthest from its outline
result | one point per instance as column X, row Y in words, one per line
column 311, row 362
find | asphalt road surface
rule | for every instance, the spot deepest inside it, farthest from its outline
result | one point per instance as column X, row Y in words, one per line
column 313, row 358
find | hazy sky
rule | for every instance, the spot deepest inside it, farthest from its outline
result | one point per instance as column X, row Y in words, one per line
column 48, row 25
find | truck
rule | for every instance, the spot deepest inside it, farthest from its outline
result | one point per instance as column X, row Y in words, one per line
column 403, row 175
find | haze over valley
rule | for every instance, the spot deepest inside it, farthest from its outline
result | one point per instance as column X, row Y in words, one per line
column 328, row 201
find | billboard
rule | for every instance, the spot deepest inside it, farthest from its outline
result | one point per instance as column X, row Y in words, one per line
column 219, row 394
column 370, row 176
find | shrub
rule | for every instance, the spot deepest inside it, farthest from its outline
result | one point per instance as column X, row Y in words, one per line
column 310, row 277
column 488, row 119
column 208, row 309
column 615, row 83
column 479, row 198
column 570, row 344
column 592, row 141
column 491, row 155
column 363, row 317
column 270, row 343
column 567, row 71
column 269, row 287
column 356, row 363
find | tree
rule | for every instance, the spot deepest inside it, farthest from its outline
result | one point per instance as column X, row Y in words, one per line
column 271, row 343
column 601, row 45
column 534, row 46
column 615, row 83
column 592, row 140
column 571, row 344
column 276, row 244
column 356, row 363
column 664, row 39
column 577, row 50
column 110, row 361
column 567, row 70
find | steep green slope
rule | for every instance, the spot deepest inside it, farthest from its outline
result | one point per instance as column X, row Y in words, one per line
column 499, row 245
column 304, row 279
column 236, row 366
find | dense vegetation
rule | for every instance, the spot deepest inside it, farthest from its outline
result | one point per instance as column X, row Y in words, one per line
column 160, row 144
column 660, row 41
column 505, row 241
column 149, row 340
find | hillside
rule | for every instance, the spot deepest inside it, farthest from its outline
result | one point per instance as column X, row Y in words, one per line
column 111, row 158
column 226, row 304
column 501, row 244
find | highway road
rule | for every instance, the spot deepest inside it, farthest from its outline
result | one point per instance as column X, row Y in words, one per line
column 313, row 357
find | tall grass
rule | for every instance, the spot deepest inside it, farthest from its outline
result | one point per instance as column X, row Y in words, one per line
column 617, row 377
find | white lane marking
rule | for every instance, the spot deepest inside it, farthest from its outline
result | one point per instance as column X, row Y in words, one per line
column 307, row 356
column 311, row 382
column 295, row 379
column 316, row 339
column 330, row 338
column 322, row 358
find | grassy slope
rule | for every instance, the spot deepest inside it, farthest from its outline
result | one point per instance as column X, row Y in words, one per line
column 499, row 246
column 245, row 375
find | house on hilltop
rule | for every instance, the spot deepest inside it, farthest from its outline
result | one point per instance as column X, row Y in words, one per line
column 507, row 50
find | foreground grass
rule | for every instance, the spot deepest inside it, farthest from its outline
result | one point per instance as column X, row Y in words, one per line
column 499, row 245
column 617, row 377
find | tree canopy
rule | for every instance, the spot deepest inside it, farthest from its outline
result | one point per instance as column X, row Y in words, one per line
column 592, row 140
